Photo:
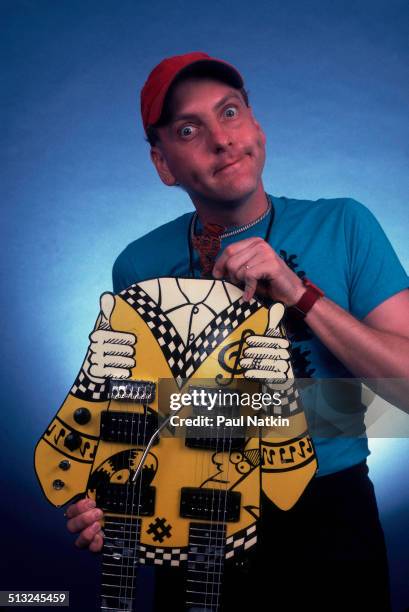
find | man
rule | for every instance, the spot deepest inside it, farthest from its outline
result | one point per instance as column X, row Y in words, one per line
column 205, row 139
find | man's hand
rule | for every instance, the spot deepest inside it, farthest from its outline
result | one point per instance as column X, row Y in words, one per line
column 267, row 357
column 253, row 260
column 83, row 518
column 110, row 353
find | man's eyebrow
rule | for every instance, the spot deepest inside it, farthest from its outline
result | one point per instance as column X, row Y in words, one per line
column 225, row 99
column 219, row 104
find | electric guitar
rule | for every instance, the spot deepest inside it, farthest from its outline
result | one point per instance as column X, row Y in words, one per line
column 189, row 499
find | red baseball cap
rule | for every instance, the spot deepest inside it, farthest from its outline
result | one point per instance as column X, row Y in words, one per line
column 162, row 76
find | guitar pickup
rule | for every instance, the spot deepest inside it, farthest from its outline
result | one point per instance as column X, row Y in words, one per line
column 127, row 498
column 222, row 444
column 128, row 427
column 210, row 504
column 137, row 391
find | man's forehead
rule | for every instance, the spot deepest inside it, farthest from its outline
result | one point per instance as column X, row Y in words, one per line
column 194, row 93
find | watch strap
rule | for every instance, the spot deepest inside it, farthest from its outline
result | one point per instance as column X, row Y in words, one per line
column 311, row 294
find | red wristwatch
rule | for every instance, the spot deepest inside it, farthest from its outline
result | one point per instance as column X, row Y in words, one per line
column 308, row 299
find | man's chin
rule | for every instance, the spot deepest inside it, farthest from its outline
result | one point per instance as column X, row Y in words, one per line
column 235, row 193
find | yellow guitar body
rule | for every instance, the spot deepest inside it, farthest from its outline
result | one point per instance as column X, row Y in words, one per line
column 188, row 331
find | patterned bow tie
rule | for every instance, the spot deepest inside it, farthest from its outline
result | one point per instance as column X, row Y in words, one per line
column 208, row 244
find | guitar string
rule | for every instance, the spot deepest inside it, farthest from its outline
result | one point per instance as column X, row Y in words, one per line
column 217, row 539
column 222, row 535
column 138, row 517
column 224, row 523
column 126, row 575
column 127, row 523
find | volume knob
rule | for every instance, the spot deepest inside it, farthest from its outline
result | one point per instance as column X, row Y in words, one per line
column 82, row 416
column 72, row 441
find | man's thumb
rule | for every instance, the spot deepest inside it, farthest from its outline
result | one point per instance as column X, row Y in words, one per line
column 275, row 314
column 107, row 303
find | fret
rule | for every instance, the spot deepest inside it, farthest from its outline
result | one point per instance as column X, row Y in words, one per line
column 119, row 586
column 126, row 521
column 124, row 544
column 121, row 528
column 206, row 537
column 116, row 597
column 122, row 558
column 129, row 532
column 122, row 576
column 205, row 607
column 112, row 565
column 118, row 575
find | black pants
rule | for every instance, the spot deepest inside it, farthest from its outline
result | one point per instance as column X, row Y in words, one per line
column 326, row 553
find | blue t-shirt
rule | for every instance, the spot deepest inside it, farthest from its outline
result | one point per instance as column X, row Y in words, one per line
column 336, row 243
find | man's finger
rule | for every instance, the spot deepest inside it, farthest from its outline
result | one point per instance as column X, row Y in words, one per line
column 87, row 535
column 275, row 315
column 81, row 506
column 249, row 288
column 84, row 520
column 230, row 251
column 97, row 543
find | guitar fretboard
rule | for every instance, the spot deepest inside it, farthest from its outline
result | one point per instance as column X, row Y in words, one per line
column 119, row 563
column 205, row 564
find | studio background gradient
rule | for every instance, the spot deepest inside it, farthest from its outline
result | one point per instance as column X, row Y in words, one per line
column 329, row 83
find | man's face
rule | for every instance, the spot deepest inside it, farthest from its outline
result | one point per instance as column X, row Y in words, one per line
column 213, row 147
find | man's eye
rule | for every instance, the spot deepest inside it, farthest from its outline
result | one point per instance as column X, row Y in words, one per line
column 186, row 131
column 231, row 111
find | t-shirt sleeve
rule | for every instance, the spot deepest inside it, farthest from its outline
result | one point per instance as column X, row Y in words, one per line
column 123, row 272
column 375, row 272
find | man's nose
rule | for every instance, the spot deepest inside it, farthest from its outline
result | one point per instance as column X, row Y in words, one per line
column 220, row 137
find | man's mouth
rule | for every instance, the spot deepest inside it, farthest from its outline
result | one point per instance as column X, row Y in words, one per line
column 228, row 165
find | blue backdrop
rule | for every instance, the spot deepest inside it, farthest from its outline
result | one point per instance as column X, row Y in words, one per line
column 328, row 81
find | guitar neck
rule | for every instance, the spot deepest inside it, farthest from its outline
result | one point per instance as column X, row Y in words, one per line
column 205, row 564
column 119, row 563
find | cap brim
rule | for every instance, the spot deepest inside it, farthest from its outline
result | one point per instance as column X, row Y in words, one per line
column 212, row 67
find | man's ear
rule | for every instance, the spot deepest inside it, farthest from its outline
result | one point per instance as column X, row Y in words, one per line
column 162, row 167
